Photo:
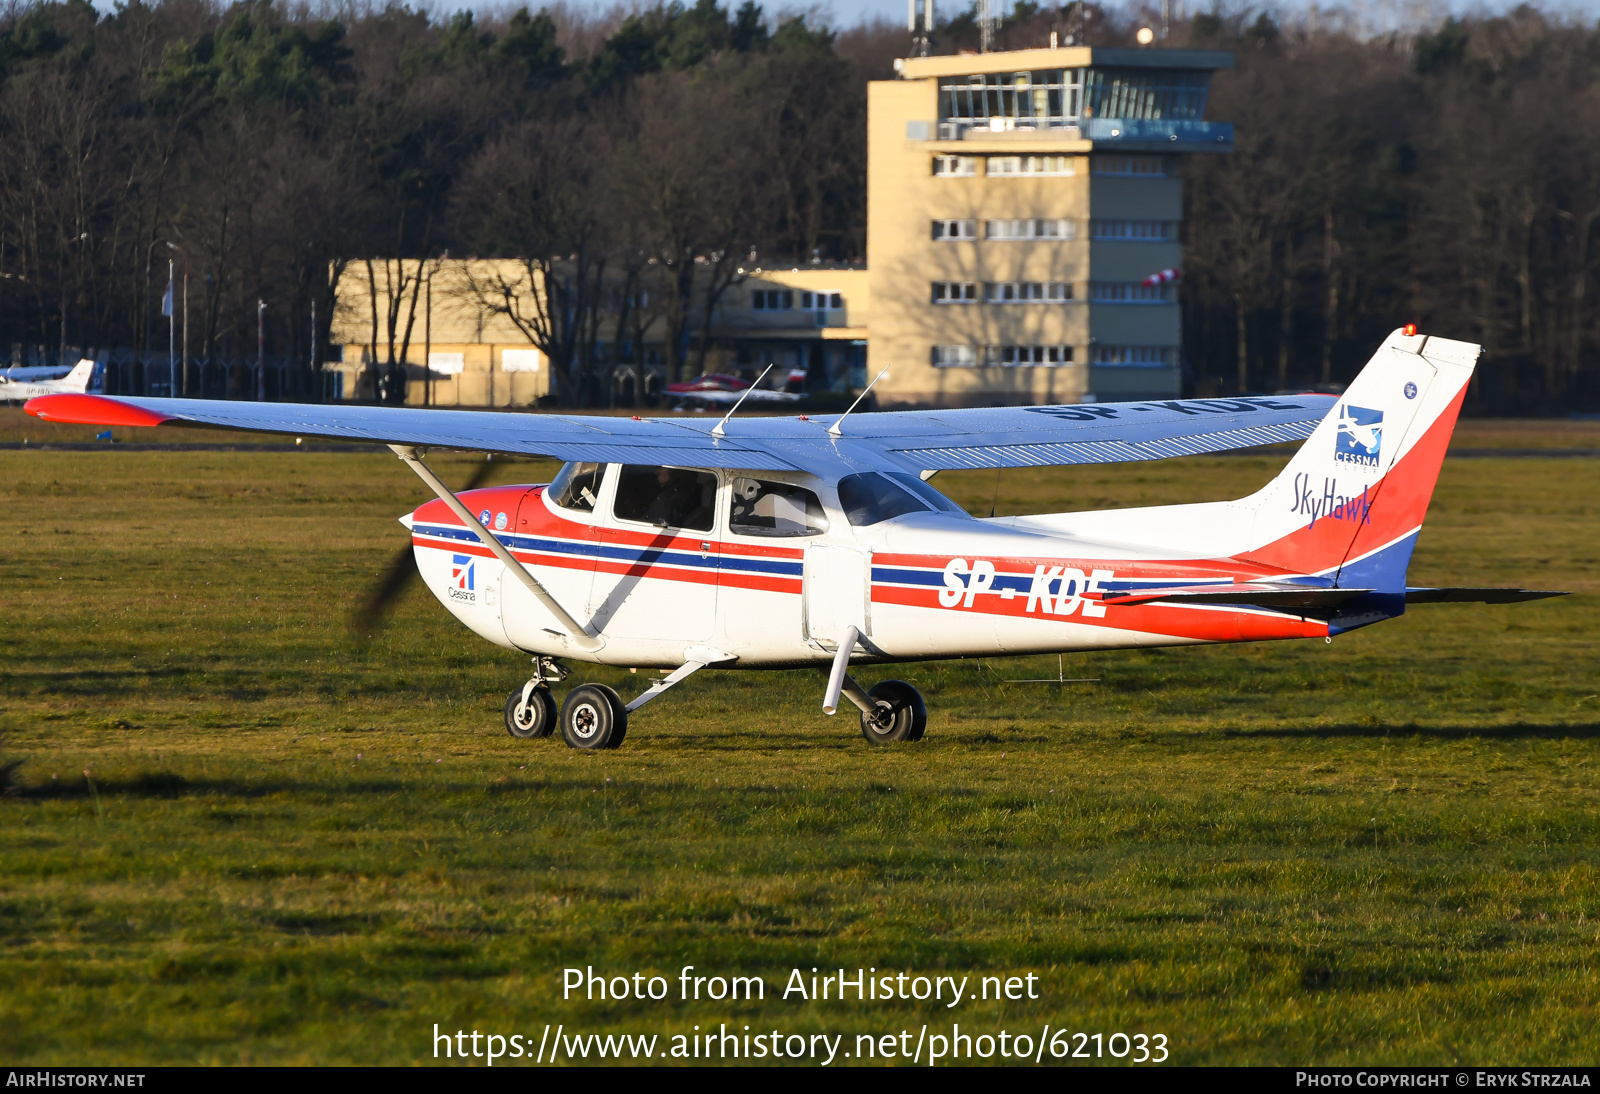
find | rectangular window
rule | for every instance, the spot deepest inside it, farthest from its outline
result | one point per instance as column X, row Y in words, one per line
column 519, row 360
column 1043, row 99
column 447, row 364
column 1013, row 356
column 955, row 229
column 1027, row 292
column 666, row 497
column 1031, row 166
column 1148, row 166
column 1029, row 229
column 772, row 300
column 1147, row 356
column 955, row 356
column 761, row 508
column 955, row 292
column 1127, row 292
column 955, row 166
column 1135, row 231
column 1146, row 94
column 821, row 301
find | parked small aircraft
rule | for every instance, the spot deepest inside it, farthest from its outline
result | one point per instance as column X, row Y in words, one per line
column 721, row 388
column 783, row 542
column 29, row 384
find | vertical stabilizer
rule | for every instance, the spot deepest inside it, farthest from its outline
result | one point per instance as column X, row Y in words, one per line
column 77, row 381
column 1349, row 505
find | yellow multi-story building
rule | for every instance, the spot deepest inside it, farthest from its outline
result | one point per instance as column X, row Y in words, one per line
column 1016, row 204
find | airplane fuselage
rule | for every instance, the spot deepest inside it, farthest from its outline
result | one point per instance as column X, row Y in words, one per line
column 651, row 593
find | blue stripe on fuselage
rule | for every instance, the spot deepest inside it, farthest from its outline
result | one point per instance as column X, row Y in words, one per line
column 648, row 555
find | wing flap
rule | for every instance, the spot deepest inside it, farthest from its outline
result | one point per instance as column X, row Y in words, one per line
column 952, row 457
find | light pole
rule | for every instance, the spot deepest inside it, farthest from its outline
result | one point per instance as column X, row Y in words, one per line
column 183, row 375
column 172, row 336
column 261, row 351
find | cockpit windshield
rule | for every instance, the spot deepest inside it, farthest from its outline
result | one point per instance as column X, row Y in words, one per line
column 873, row 497
column 926, row 492
column 577, row 486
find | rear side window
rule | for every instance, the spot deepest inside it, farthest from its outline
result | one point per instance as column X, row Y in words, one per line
column 761, row 508
column 869, row 498
column 926, row 492
column 577, row 486
column 668, row 497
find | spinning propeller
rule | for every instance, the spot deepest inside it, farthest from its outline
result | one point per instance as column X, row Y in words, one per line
column 401, row 571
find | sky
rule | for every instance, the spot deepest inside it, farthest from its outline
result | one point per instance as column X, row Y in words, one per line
column 1385, row 14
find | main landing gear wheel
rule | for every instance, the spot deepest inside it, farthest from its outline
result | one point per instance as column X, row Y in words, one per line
column 594, row 717
column 901, row 715
column 535, row 718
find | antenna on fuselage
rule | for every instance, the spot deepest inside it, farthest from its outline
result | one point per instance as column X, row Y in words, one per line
column 717, row 430
column 833, row 430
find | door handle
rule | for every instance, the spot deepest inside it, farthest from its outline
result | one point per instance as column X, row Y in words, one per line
column 705, row 548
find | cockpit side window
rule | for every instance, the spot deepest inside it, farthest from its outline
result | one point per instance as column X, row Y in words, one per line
column 762, row 508
column 870, row 497
column 668, row 497
column 577, row 486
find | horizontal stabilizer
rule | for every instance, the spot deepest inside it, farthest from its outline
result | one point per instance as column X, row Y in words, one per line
column 1478, row 596
column 1265, row 593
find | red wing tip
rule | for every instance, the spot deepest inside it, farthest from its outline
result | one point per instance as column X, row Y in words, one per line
column 91, row 410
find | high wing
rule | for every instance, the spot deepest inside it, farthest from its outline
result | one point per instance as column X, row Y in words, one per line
column 916, row 440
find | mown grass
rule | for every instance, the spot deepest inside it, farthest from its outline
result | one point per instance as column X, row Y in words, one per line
column 239, row 835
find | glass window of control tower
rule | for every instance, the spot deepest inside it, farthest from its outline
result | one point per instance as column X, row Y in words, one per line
column 1047, row 98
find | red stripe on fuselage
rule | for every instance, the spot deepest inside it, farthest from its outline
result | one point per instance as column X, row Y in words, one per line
column 1206, row 623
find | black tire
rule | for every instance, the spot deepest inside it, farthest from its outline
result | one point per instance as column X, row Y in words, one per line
column 538, row 718
column 593, row 717
column 901, row 716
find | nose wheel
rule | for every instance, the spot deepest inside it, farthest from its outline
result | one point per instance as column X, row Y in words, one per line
column 530, row 712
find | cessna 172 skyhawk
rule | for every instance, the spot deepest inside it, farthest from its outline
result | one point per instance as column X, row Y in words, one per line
column 30, row 383
column 783, row 542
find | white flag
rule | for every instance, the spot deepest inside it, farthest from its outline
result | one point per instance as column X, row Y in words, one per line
column 166, row 301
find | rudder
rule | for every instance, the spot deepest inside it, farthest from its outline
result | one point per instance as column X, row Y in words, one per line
column 1349, row 505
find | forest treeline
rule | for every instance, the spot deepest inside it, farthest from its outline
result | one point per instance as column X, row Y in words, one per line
column 1449, row 177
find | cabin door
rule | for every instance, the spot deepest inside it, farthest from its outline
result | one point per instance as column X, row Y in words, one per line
column 838, row 593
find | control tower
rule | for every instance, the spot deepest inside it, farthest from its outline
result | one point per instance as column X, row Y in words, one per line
column 1017, row 204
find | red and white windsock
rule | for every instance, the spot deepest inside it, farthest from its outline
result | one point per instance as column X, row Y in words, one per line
column 1165, row 277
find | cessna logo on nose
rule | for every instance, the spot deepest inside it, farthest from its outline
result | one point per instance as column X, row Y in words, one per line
column 1360, row 436
column 463, row 578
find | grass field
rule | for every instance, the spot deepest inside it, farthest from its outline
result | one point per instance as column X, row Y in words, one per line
column 240, row 836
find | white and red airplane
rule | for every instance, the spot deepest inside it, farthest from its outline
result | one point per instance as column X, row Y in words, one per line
column 30, row 383
column 784, row 542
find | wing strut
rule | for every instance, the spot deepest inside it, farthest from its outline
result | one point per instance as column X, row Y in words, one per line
column 578, row 633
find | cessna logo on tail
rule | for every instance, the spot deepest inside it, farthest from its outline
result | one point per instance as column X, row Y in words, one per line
column 1360, row 436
